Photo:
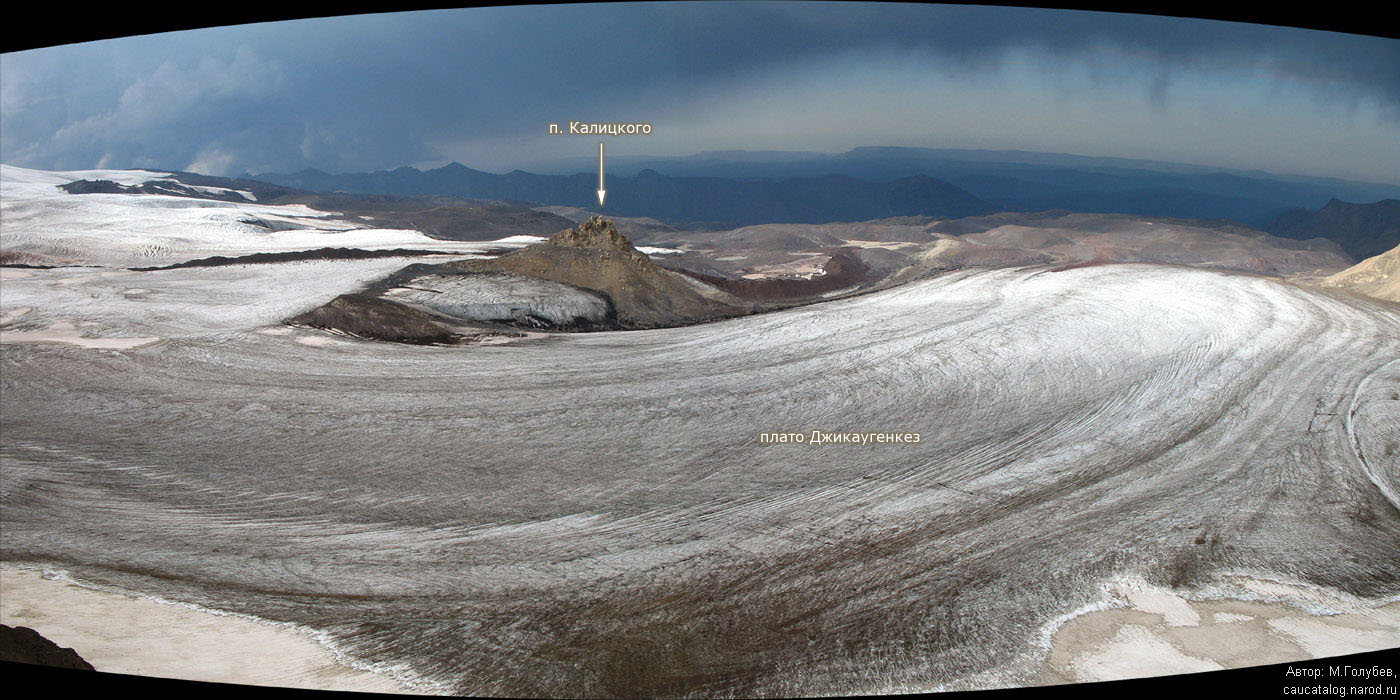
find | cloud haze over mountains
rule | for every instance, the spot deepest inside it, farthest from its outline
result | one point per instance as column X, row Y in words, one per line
column 478, row 86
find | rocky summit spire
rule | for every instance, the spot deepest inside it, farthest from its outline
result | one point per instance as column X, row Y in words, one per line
column 599, row 234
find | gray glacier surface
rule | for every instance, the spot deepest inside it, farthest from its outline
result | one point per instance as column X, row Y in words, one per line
column 595, row 515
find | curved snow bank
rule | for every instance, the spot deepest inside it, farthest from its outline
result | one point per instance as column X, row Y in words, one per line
column 1373, row 425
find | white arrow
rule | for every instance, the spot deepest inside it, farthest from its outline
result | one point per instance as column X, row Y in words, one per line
column 601, row 191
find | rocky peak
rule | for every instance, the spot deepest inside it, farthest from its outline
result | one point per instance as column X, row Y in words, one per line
column 597, row 233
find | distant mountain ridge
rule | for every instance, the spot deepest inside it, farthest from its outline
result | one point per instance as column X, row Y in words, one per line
column 958, row 154
column 1034, row 181
column 713, row 200
column 1363, row 230
column 737, row 188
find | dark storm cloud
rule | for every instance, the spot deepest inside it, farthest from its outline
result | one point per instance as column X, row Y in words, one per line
column 383, row 90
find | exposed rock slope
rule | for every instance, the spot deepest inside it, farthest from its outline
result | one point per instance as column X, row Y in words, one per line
column 26, row 646
column 584, row 278
column 595, row 257
column 1377, row 276
column 1363, row 230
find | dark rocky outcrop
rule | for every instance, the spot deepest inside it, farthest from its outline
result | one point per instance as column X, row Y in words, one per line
column 438, row 303
column 1362, row 230
column 593, row 256
column 367, row 316
column 24, row 645
column 592, row 259
column 166, row 187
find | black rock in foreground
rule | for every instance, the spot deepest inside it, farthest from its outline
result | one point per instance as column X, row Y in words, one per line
column 26, row 646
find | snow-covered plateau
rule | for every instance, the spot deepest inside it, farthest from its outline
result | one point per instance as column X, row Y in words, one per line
column 40, row 221
column 596, row 514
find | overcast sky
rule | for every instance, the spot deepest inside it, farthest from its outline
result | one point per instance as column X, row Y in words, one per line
column 478, row 86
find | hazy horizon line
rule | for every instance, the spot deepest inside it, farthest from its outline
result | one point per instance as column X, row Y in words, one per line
column 424, row 166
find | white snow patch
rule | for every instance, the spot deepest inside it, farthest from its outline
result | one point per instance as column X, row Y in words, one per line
column 1230, row 617
column 1174, row 609
column 209, row 189
column 66, row 332
column 1322, row 639
column 1136, row 652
